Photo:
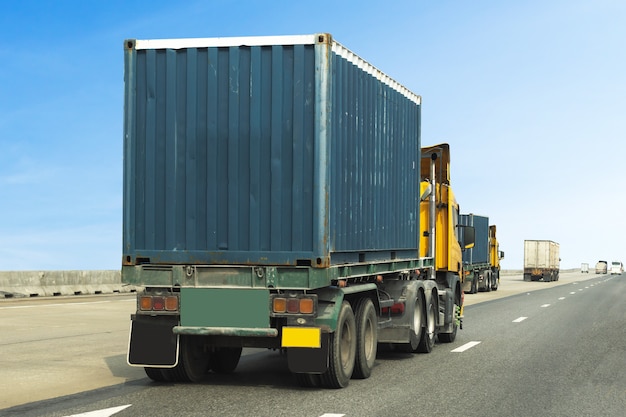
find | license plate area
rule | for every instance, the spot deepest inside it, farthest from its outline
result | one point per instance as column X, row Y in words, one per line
column 301, row 337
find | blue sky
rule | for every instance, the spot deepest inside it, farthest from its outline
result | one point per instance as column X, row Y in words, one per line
column 530, row 95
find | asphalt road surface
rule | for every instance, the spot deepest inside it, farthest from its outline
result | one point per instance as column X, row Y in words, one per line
column 528, row 349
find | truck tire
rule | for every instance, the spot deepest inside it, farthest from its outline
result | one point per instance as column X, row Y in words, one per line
column 450, row 337
column 474, row 287
column 496, row 281
column 224, row 360
column 366, row 339
column 193, row 361
column 488, row 278
column 416, row 325
column 341, row 350
column 427, row 339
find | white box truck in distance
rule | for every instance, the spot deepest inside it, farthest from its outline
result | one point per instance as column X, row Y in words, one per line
column 541, row 260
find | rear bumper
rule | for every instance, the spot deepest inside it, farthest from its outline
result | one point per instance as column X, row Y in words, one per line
column 225, row 331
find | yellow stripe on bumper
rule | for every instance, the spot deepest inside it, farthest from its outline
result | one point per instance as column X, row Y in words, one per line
column 302, row 337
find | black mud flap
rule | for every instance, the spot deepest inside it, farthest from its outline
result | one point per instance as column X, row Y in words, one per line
column 152, row 342
column 308, row 360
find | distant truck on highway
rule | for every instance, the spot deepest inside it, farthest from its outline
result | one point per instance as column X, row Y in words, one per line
column 481, row 263
column 276, row 196
column 601, row 267
column 541, row 260
column 616, row 268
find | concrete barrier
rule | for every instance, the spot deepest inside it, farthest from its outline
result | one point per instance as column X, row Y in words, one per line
column 53, row 283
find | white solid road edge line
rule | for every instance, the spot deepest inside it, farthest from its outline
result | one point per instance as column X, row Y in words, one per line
column 466, row 346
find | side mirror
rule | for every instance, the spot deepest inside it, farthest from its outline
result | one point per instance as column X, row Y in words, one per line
column 467, row 236
column 426, row 193
column 501, row 255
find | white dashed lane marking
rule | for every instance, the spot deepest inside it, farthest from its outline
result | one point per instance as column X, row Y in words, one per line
column 519, row 319
column 107, row 412
column 465, row 347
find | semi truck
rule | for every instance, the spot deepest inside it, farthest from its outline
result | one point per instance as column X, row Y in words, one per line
column 481, row 263
column 541, row 260
column 276, row 196
column 602, row 267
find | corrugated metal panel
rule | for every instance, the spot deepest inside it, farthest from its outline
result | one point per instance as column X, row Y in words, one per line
column 375, row 169
column 541, row 254
column 270, row 154
column 480, row 252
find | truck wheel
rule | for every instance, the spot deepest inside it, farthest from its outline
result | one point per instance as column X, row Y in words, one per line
column 366, row 339
column 427, row 339
column 416, row 327
column 224, row 360
column 341, row 350
column 450, row 337
column 193, row 361
column 495, row 283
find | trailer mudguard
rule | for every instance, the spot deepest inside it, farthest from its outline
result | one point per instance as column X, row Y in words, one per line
column 152, row 342
column 309, row 360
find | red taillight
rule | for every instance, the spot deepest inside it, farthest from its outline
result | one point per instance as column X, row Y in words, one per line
column 397, row 308
column 293, row 305
column 158, row 303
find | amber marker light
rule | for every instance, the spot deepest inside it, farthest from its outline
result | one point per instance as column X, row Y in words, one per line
column 306, row 306
column 171, row 303
column 145, row 303
column 279, row 305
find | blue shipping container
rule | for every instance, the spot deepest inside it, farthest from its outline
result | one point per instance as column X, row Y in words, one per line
column 479, row 254
column 266, row 150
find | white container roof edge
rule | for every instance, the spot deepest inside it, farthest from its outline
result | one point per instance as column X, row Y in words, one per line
column 337, row 48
